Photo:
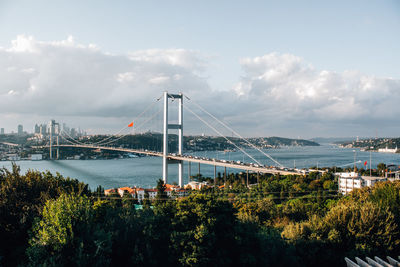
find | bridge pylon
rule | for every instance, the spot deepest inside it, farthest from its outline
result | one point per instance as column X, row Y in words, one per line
column 179, row 127
column 54, row 130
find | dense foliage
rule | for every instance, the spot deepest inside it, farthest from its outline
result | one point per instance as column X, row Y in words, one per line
column 283, row 221
column 22, row 198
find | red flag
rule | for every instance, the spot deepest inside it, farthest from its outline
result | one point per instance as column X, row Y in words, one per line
column 130, row 124
column 365, row 163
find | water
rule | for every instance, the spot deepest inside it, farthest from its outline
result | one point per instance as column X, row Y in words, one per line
column 145, row 171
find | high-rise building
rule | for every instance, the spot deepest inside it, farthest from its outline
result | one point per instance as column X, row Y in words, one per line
column 66, row 129
column 37, row 129
column 57, row 129
column 20, row 129
column 43, row 129
column 50, row 127
column 73, row 133
column 2, row 131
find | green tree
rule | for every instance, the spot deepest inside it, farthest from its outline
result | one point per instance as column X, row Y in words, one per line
column 69, row 234
column 381, row 169
column 349, row 228
column 22, row 197
column 161, row 194
column 203, row 226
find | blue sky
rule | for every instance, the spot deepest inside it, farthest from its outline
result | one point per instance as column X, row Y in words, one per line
column 334, row 36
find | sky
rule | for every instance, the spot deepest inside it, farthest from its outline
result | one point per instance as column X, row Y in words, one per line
column 266, row 68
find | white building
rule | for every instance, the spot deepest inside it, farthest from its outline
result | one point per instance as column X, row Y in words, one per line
column 171, row 191
column 128, row 190
column 352, row 180
column 13, row 157
column 35, row 157
column 371, row 180
column 388, row 150
column 195, row 185
column 141, row 193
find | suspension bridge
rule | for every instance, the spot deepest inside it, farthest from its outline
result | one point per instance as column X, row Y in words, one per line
column 171, row 158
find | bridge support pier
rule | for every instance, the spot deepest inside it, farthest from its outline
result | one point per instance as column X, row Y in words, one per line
column 180, row 139
column 165, row 140
column 51, row 146
column 58, row 148
column 179, row 127
column 54, row 129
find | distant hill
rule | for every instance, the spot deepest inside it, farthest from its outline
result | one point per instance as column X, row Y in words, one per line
column 219, row 143
column 281, row 141
column 153, row 141
column 373, row 143
column 332, row 140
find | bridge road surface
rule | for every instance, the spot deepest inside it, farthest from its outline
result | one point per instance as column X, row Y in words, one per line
column 214, row 162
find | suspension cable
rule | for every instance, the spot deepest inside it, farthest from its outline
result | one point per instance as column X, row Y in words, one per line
column 71, row 142
column 103, row 142
column 136, row 118
column 229, row 128
column 74, row 141
column 229, row 141
column 122, row 136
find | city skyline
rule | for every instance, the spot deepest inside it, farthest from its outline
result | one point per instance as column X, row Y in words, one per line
column 267, row 69
column 42, row 128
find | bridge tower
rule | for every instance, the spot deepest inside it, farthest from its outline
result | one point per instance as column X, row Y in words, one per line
column 54, row 130
column 179, row 127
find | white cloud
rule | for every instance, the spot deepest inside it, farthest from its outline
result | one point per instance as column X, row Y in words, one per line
column 303, row 94
column 187, row 59
column 279, row 94
column 159, row 80
column 66, row 78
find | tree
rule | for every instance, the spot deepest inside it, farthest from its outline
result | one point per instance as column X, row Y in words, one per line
column 348, row 228
column 381, row 169
column 22, row 197
column 161, row 194
column 99, row 192
column 203, row 225
column 69, row 234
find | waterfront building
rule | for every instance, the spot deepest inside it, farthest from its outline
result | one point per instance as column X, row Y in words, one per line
column 35, row 157
column 142, row 192
column 126, row 190
column 347, row 181
column 2, row 131
column 393, row 172
column 13, row 157
column 195, row 185
column 388, row 150
column 108, row 192
column 171, row 191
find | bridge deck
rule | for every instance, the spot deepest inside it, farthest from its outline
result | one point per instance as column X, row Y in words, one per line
column 208, row 161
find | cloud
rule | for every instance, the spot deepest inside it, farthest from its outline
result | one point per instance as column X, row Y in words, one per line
column 278, row 94
column 289, row 90
column 66, row 78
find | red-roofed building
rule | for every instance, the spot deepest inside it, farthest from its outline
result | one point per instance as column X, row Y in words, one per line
column 108, row 192
column 128, row 190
